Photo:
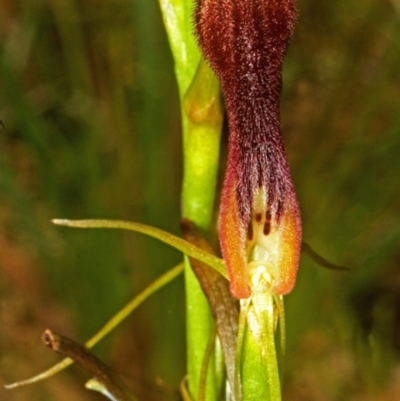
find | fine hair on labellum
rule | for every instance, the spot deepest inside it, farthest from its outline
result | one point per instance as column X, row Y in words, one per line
column 245, row 42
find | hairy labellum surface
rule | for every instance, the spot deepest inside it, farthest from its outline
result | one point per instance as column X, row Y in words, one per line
column 260, row 230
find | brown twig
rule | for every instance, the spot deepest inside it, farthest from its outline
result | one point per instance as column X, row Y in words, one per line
column 81, row 355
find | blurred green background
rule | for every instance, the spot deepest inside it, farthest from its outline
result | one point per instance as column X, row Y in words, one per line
column 91, row 128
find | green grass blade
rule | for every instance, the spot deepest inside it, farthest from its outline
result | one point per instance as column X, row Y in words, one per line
column 109, row 326
column 170, row 239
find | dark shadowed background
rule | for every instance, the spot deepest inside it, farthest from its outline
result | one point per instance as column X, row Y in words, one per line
column 91, row 129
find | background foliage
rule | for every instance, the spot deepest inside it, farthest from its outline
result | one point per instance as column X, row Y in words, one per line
column 91, row 129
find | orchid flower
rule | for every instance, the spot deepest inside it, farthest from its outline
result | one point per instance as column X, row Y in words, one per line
column 260, row 230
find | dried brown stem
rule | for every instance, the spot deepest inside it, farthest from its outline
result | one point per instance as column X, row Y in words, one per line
column 223, row 306
column 89, row 362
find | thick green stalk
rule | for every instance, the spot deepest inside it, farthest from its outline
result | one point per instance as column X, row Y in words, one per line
column 201, row 126
column 201, row 119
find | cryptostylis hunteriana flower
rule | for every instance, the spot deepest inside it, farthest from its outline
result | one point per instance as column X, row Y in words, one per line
column 260, row 230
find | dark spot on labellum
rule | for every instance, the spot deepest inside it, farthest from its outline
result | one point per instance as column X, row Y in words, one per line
column 268, row 215
column 250, row 231
column 267, row 228
column 258, row 217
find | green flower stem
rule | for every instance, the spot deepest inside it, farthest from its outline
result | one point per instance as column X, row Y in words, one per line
column 202, row 121
column 201, row 126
